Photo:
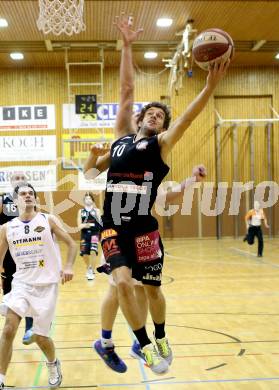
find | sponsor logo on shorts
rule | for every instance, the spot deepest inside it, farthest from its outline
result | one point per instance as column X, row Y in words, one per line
column 110, row 248
column 148, row 247
column 108, row 233
column 148, row 276
column 155, row 267
column 39, row 229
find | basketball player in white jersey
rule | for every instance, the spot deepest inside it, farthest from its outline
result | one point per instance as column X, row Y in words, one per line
column 29, row 237
column 8, row 211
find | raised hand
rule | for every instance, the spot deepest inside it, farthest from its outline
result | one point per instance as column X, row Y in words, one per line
column 216, row 72
column 124, row 24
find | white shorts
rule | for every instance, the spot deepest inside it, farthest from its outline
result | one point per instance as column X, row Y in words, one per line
column 110, row 277
column 38, row 302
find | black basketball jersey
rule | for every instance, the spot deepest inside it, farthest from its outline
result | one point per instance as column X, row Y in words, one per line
column 9, row 208
column 90, row 216
column 9, row 211
column 135, row 173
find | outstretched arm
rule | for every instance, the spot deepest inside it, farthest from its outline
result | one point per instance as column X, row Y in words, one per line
column 169, row 138
column 177, row 193
column 123, row 119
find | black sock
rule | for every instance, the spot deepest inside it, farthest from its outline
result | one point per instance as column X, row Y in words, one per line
column 28, row 323
column 142, row 337
column 159, row 330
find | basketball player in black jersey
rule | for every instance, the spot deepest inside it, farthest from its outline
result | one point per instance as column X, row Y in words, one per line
column 8, row 211
column 105, row 346
column 88, row 221
column 130, row 239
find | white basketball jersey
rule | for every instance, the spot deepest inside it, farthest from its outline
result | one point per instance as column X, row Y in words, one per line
column 256, row 219
column 34, row 250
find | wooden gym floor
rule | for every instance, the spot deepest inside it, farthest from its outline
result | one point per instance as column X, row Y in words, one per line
column 222, row 321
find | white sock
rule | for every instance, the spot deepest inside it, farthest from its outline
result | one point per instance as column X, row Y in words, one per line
column 106, row 343
column 2, row 378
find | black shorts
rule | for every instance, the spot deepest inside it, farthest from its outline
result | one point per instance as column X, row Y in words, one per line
column 142, row 253
column 89, row 242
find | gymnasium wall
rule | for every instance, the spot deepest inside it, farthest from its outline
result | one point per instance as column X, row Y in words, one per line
column 245, row 92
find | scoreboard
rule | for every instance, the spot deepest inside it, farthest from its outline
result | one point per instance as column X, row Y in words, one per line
column 86, row 104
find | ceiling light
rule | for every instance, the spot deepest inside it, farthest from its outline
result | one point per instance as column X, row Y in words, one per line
column 164, row 22
column 17, row 56
column 277, row 56
column 3, row 22
column 150, row 55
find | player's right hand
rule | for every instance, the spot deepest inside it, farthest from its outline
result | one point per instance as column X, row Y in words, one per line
column 100, row 149
column 217, row 71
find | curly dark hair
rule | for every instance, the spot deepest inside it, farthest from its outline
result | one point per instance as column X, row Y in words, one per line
column 158, row 105
column 15, row 193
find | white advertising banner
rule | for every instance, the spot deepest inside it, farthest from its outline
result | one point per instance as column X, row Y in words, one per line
column 97, row 184
column 27, row 117
column 106, row 115
column 42, row 177
column 28, row 148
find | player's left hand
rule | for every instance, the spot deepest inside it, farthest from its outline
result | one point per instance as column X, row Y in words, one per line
column 199, row 171
column 66, row 275
column 124, row 24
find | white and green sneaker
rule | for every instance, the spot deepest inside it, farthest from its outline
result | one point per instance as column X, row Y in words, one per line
column 54, row 374
column 164, row 349
column 154, row 361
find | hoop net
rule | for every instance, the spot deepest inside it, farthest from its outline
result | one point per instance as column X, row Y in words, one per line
column 61, row 16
